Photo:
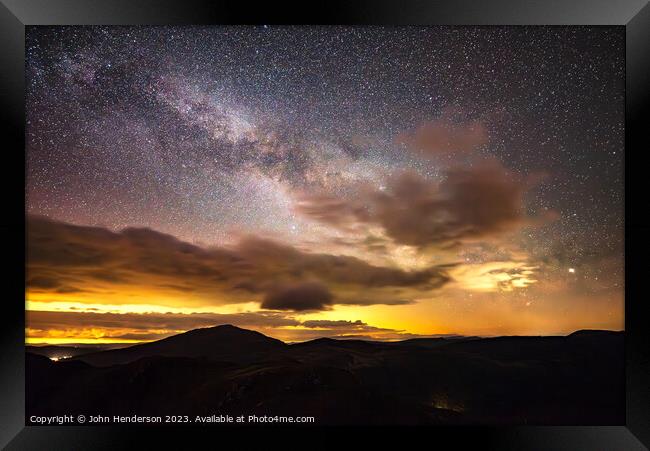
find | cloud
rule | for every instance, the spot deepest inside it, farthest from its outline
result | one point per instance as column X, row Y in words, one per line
column 284, row 260
column 43, row 282
column 332, row 324
column 445, row 137
column 153, row 321
column 465, row 204
column 299, row 297
column 330, row 210
column 141, row 264
column 495, row 276
column 75, row 325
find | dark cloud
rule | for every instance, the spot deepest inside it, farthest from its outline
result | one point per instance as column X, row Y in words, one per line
column 466, row 204
column 108, row 276
column 43, row 282
column 46, row 282
column 299, row 297
column 95, row 259
column 334, row 268
column 143, row 322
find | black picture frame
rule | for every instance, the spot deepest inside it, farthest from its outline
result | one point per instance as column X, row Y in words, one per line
column 15, row 15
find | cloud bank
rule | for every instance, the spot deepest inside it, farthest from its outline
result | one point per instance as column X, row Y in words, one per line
column 64, row 258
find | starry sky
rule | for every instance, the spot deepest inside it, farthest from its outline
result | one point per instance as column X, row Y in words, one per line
column 375, row 182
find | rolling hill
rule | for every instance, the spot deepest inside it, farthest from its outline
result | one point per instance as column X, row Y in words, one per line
column 577, row 379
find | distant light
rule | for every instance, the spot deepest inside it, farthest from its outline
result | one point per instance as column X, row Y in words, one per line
column 572, row 270
column 61, row 357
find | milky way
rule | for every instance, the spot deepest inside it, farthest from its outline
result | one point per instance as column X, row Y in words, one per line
column 306, row 135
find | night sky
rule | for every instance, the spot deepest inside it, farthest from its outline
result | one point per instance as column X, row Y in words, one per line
column 324, row 181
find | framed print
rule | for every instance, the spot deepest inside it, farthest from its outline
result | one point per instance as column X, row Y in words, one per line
column 417, row 218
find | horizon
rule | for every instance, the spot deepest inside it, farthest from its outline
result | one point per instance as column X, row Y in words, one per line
column 344, row 338
column 308, row 182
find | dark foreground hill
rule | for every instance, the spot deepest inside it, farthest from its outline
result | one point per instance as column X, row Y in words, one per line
column 225, row 343
column 577, row 379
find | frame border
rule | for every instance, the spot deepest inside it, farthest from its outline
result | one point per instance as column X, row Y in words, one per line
column 634, row 15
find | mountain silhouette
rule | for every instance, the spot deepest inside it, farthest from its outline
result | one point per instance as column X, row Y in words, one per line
column 571, row 380
column 224, row 342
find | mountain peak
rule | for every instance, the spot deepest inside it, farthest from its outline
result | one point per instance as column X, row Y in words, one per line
column 220, row 328
column 223, row 342
column 225, row 331
column 226, row 326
